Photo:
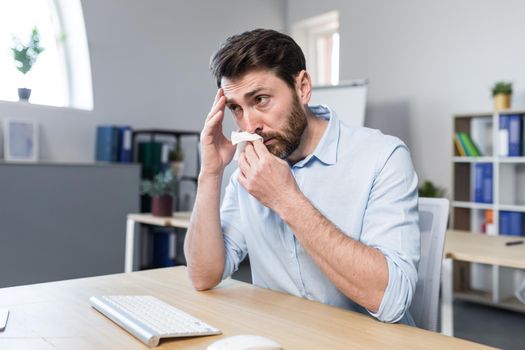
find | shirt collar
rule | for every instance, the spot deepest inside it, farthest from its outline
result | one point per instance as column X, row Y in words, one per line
column 326, row 150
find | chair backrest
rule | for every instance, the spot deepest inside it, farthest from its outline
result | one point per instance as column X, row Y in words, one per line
column 433, row 218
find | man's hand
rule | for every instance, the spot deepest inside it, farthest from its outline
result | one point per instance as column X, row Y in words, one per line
column 266, row 177
column 217, row 150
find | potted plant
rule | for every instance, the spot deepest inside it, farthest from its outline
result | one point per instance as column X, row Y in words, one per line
column 161, row 190
column 25, row 57
column 502, row 92
column 176, row 159
column 429, row 190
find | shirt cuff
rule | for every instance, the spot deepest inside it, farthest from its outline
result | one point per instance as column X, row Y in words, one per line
column 398, row 293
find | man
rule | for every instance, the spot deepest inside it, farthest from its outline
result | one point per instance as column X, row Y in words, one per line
column 325, row 211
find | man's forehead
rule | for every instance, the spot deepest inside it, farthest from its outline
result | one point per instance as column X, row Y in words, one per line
column 248, row 82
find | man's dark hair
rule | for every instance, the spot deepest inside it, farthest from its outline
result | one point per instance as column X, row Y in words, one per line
column 258, row 49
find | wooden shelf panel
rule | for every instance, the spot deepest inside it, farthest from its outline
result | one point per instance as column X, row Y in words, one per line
column 461, row 182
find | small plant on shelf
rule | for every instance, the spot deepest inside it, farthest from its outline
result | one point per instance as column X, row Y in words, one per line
column 176, row 159
column 429, row 190
column 161, row 190
column 25, row 57
column 502, row 93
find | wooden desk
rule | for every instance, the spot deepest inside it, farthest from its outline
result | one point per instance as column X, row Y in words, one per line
column 179, row 219
column 58, row 315
column 475, row 248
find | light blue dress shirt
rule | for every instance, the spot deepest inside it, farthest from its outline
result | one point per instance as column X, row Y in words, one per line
column 365, row 184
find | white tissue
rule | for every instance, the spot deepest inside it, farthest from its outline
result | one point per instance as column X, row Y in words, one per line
column 240, row 139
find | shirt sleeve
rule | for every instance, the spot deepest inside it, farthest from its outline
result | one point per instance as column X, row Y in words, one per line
column 391, row 225
column 231, row 225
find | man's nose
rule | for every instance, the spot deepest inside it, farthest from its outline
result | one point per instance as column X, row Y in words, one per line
column 252, row 122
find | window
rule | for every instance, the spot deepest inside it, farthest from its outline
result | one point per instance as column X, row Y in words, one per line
column 319, row 38
column 61, row 75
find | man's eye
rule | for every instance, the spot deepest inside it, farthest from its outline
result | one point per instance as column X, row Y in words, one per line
column 262, row 100
column 234, row 109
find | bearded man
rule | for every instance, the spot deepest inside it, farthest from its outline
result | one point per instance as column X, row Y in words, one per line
column 326, row 211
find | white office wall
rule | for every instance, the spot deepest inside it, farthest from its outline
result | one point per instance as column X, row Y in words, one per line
column 149, row 63
column 427, row 60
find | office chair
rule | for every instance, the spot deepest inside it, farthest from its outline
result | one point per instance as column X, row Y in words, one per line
column 433, row 218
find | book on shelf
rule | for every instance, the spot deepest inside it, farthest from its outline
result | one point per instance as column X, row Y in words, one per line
column 124, row 144
column 113, row 144
column 515, row 136
column 511, row 131
column 483, row 182
column 164, row 247
column 523, row 135
column 468, row 145
column 150, row 155
column 106, row 144
column 459, row 146
column 511, row 223
column 503, row 134
column 481, row 130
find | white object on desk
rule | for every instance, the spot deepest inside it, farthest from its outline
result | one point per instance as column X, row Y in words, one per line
column 245, row 342
column 4, row 314
column 150, row 319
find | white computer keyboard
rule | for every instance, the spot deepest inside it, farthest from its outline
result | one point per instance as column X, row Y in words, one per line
column 150, row 319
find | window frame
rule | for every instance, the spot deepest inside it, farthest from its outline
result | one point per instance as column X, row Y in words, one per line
column 307, row 31
column 74, row 64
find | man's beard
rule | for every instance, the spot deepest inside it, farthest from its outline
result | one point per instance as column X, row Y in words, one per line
column 289, row 138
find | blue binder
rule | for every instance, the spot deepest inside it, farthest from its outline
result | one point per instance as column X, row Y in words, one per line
column 515, row 135
column 124, row 144
column 487, row 183
column 106, row 144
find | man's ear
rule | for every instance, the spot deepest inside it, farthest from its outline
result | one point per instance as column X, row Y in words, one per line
column 303, row 85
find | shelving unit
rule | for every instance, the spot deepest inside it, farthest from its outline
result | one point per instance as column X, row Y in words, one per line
column 176, row 136
column 167, row 241
column 487, row 284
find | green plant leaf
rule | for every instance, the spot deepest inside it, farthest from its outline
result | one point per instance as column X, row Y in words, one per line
column 25, row 56
column 162, row 184
column 502, row 87
column 428, row 189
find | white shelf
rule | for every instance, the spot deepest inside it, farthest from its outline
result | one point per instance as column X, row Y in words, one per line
column 474, row 159
column 512, row 207
column 492, row 284
column 511, row 159
column 472, row 205
column 489, row 159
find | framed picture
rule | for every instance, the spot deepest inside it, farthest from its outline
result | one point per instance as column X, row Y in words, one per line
column 20, row 140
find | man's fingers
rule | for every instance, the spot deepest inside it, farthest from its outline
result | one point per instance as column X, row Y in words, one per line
column 213, row 122
column 219, row 106
column 250, row 154
column 244, row 166
column 260, row 148
column 217, row 96
column 242, row 179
